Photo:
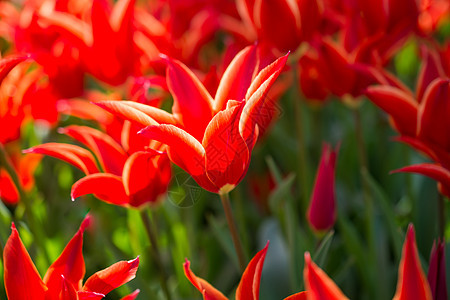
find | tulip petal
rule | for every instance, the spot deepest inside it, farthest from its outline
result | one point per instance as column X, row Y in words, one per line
column 436, row 272
column 430, row 70
column 68, row 291
column 109, row 153
column 298, row 296
column 412, row 282
column 112, row 277
column 433, row 114
column 434, row 171
column 69, row 266
column 141, row 177
column 227, row 155
column 74, row 155
column 139, row 113
column 83, row 295
column 260, row 109
column 8, row 63
column 183, row 150
column 237, row 77
column 248, row 288
column 318, row 285
column 192, row 103
column 131, row 296
column 22, row 280
column 400, row 106
column 208, row 291
column 106, row 187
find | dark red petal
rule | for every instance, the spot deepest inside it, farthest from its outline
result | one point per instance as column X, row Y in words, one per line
column 208, row 291
column 112, row 277
column 106, row 187
column 436, row 271
column 318, row 285
column 237, row 78
column 402, row 108
column 109, row 153
column 430, row 70
column 22, row 280
column 434, row 114
column 70, row 264
column 412, row 283
column 248, row 288
column 192, row 102
column 74, row 155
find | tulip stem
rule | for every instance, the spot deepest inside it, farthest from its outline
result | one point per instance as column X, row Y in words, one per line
column 441, row 216
column 303, row 174
column 225, row 198
column 155, row 252
column 34, row 226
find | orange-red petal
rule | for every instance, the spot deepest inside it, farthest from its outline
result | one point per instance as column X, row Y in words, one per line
column 248, row 288
column 106, row 187
column 318, row 285
column 208, row 291
column 22, row 280
column 112, row 277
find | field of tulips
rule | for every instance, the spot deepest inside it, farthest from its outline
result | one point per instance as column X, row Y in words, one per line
column 225, row 149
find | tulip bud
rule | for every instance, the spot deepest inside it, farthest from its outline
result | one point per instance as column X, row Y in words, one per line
column 322, row 207
column 436, row 272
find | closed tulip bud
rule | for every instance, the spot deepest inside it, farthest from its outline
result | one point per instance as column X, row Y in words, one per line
column 436, row 272
column 322, row 207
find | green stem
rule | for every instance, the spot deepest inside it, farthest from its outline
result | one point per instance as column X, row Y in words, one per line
column 225, row 198
column 34, row 226
column 303, row 175
column 369, row 206
column 441, row 216
column 155, row 252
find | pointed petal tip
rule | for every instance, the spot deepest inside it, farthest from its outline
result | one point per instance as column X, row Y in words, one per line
column 13, row 226
column 86, row 222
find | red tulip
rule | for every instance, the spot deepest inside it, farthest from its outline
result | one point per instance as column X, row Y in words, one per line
column 129, row 179
column 436, row 272
column 248, row 288
column 64, row 277
column 412, row 282
column 211, row 139
column 105, row 42
column 322, row 206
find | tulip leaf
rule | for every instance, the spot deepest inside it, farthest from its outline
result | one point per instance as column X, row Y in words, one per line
column 223, row 237
column 321, row 254
column 386, row 208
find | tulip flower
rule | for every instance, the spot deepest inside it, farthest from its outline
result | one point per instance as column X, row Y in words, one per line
column 421, row 120
column 129, row 179
column 63, row 279
column 412, row 283
column 248, row 288
column 211, row 139
column 322, row 207
column 105, row 42
column 436, row 272
column 300, row 20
